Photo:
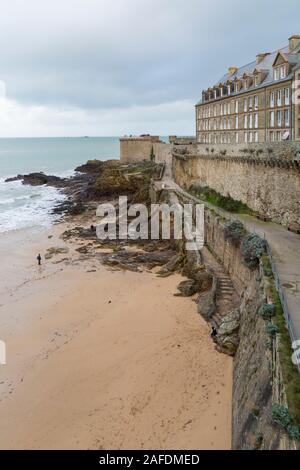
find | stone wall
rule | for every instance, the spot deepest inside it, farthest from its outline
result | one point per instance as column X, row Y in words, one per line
column 134, row 149
column 257, row 378
column 270, row 187
column 162, row 152
column 286, row 150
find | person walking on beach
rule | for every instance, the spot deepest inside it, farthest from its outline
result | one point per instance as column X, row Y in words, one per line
column 39, row 259
column 213, row 332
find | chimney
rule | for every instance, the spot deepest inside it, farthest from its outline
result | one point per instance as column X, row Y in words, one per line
column 232, row 70
column 294, row 41
column 260, row 57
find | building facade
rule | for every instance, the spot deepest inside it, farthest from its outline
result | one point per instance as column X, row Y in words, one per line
column 256, row 103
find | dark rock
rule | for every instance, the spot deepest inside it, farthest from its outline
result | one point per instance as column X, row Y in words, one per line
column 14, row 178
column 207, row 301
column 227, row 338
column 187, row 288
column 39, row 179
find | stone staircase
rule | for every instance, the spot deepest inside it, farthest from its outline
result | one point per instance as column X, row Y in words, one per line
column 227, row 298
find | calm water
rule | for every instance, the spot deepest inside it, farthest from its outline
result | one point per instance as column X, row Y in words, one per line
column 25, row 206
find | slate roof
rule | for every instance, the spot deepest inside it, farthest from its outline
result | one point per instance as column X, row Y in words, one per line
column 265, row 65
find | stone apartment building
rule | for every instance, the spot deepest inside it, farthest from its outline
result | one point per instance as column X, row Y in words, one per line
column 259, row 102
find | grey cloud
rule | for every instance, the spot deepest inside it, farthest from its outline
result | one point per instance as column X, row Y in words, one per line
column 100, row 54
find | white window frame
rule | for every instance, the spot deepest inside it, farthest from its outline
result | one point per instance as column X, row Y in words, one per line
column 279, row 118
column 276, row 73
column 250, row 121
column 272, row 99
column 245, row 105
column 256, row 136
column 286, row 96
column 272, row 118
column 256, row 120
column 287, row 118
column 282, row 71
column 279, row 98
column 256, row 102
column 236, row 106
column 236, row 122
column 245, row 121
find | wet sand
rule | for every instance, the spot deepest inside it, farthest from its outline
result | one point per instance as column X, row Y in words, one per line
column 100, row 359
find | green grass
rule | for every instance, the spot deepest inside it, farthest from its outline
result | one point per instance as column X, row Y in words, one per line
column 291, row 375
column 224, row 202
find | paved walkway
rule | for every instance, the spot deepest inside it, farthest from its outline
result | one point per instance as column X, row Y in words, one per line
column 285, row 247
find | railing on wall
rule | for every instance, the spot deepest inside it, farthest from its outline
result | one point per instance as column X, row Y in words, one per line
column 282, row 297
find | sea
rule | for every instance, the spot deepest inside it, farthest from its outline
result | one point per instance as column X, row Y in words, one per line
column 28, row 206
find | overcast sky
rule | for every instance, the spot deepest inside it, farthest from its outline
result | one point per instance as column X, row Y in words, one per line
column 115, row 67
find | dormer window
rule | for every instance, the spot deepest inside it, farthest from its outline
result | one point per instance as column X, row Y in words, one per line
column 228, row 89
column 237, row 87
column 256, row 80
column 282, row 71
column 276, row 73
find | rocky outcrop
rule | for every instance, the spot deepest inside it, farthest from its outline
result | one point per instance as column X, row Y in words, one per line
column 227, row 338
column 39, row 179
column 187, row 288
column 207, row 304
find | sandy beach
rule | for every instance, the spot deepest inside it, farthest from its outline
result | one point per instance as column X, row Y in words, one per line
column 101, row 359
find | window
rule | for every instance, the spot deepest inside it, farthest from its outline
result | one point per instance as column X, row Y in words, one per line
column 236, row 87
column 276, row 73
column 250, row 103
column 279, row 118
column 282, row 71
column 278, row 136
column 272, row 99
column 287, row 117
column 256, row 102
column 250, row 137
column 236, row 137
column 256, row 136
column 229, row 124
column 236, row 122
column 245, row 122
column 286, row 96
column 236, row 106
column 272, row 136
column 256, row 80
column 228, row 108
column 228, row 89
column 256, row 120
column 224, row 123
column 245, row 137
column 250, row 121
column 272, row 118
column 245, row 105
column 279, row 97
